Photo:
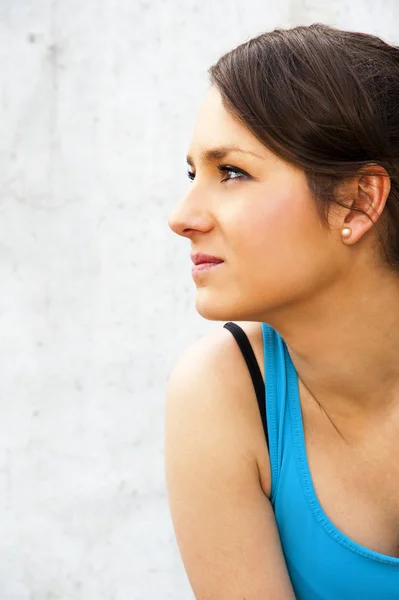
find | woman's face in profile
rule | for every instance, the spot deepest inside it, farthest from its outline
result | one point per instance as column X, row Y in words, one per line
column 255, row 212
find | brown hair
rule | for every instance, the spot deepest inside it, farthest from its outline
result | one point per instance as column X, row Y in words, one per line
column 323, row 99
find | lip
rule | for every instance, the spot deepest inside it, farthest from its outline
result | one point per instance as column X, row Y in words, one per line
column 204, row 262
column 202, row 267
column 202, row 259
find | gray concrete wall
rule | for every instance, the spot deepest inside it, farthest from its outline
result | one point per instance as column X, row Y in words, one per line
column 97, row 104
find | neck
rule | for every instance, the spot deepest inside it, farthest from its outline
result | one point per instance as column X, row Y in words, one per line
column 345, row 344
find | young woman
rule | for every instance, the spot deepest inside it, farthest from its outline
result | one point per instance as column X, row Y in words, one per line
column 283, row 468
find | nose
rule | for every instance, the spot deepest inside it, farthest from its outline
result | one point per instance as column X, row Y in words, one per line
column 189, row 217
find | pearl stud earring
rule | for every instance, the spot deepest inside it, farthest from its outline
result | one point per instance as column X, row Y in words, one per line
column 346, row 232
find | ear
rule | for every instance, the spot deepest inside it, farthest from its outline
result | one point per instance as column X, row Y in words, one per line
column 369, row 192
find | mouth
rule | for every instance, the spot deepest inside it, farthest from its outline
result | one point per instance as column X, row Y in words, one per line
column 200, row 259
column 204, row 262
column 203, row 267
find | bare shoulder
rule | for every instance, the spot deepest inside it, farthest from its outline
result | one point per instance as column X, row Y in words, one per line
column 214, row 450
column 214, row 367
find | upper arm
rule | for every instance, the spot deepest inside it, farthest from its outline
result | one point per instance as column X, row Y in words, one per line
column 224, row 523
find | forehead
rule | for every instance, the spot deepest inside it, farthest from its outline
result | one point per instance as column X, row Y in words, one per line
column 215, row 126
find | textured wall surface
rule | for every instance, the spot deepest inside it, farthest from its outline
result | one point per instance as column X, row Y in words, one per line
column 97, row 103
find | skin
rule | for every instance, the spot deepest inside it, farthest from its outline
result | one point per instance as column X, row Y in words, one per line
column 333, row 300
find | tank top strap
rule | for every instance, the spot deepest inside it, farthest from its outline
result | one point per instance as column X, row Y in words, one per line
column 276, row 400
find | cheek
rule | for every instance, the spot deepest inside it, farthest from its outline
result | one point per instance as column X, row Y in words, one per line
column 271, row 261
column 276, row 225
column 277, row 253
column 280, row 249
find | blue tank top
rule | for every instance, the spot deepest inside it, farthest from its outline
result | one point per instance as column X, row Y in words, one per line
column 323, row 563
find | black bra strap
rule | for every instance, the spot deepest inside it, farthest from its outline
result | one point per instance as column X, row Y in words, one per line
column 254, row 370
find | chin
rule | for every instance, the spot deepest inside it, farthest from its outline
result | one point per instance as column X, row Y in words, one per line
column 215, row 308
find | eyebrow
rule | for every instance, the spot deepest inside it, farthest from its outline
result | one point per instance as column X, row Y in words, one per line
column 219, row 153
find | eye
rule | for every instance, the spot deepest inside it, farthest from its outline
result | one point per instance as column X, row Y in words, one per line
column 233, row 172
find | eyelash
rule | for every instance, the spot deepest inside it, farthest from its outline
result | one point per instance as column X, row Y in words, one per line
column 225, row 169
